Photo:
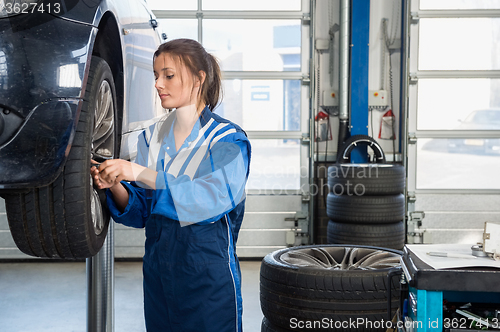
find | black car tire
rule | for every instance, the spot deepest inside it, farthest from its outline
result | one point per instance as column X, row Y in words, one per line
column 267, row 326
column 68, row 218
column 302, row 284
column 365, row 209
column 367, row 179
column 385, row 235
column 344, row 155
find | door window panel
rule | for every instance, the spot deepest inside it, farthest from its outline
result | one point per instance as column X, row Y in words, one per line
column 179, row 28
column 251, row 5
column 262, row 104
column 464, row 104
column 459, row 44
column 275, row 165
column 173, row 4
column 254, row 45
column 458, row 163
column 459, row 4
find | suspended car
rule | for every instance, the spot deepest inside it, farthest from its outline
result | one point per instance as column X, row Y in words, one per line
column 76, row 84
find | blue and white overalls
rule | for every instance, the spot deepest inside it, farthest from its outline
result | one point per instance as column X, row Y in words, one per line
column 191, row 271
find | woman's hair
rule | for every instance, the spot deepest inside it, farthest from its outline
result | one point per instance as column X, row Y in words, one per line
column 192, row 54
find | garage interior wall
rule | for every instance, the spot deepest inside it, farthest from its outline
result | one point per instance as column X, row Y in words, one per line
column 327, row 14
column 264, row 228
column 454, row 212
column 263, row 48
column 7, row 245
column 453, row 155
column 378, row 78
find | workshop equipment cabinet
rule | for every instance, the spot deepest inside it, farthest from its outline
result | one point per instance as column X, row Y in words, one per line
column 428, row 288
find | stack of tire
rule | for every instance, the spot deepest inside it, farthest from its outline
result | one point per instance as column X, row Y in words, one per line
column 366, row 205
column 329, row 288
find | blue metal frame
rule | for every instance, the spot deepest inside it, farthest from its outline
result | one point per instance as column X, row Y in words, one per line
column 360, row 39
column 402, row 78
column 428, row 313
column 426, row 307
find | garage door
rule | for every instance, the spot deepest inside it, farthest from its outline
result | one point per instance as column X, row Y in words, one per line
column 454, row 120
column 263, row 48
column 8, row 248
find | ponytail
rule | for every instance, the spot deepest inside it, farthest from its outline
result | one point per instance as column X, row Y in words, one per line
column 211, row 91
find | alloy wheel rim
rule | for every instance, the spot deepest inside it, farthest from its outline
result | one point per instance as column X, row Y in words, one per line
column 102, row 137
column 103, row 143
column 342, row 258
column 96, row 210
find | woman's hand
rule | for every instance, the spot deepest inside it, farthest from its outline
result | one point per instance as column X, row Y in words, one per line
column 94, row 173
column 112, row 172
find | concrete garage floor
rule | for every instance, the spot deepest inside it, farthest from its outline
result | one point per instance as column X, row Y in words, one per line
column 51, row 297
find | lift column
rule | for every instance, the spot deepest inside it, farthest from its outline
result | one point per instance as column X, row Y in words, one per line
column 360, row 38
column 100, row 286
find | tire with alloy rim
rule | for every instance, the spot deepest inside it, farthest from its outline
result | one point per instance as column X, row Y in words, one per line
column 367, row 179
column 344, row 155
column 67, row 219
column 384, row 235
column 334, row 283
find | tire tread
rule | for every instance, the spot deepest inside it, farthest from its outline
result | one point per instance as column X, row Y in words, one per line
column 55, row 220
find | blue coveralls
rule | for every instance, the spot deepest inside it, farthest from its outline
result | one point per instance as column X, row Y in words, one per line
column 192, row 278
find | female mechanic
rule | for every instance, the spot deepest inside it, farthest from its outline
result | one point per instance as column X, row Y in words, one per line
column 187, row 188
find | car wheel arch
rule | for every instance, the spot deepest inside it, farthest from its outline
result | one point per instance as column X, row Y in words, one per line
column 107, row 45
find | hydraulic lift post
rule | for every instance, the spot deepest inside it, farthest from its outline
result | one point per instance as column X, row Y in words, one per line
column 100, row 286
column 360, row 40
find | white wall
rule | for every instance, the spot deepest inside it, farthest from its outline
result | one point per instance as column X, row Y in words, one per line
column 379, row 9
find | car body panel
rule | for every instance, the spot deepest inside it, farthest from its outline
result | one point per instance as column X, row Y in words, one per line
column 46, row 61
column 77, row 10
column 487, row 119
column 34, row 156
column 144, row 106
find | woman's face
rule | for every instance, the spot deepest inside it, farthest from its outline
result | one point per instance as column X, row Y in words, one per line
column 174, row 83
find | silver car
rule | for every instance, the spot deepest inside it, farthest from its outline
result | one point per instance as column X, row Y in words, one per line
column 485, row 119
